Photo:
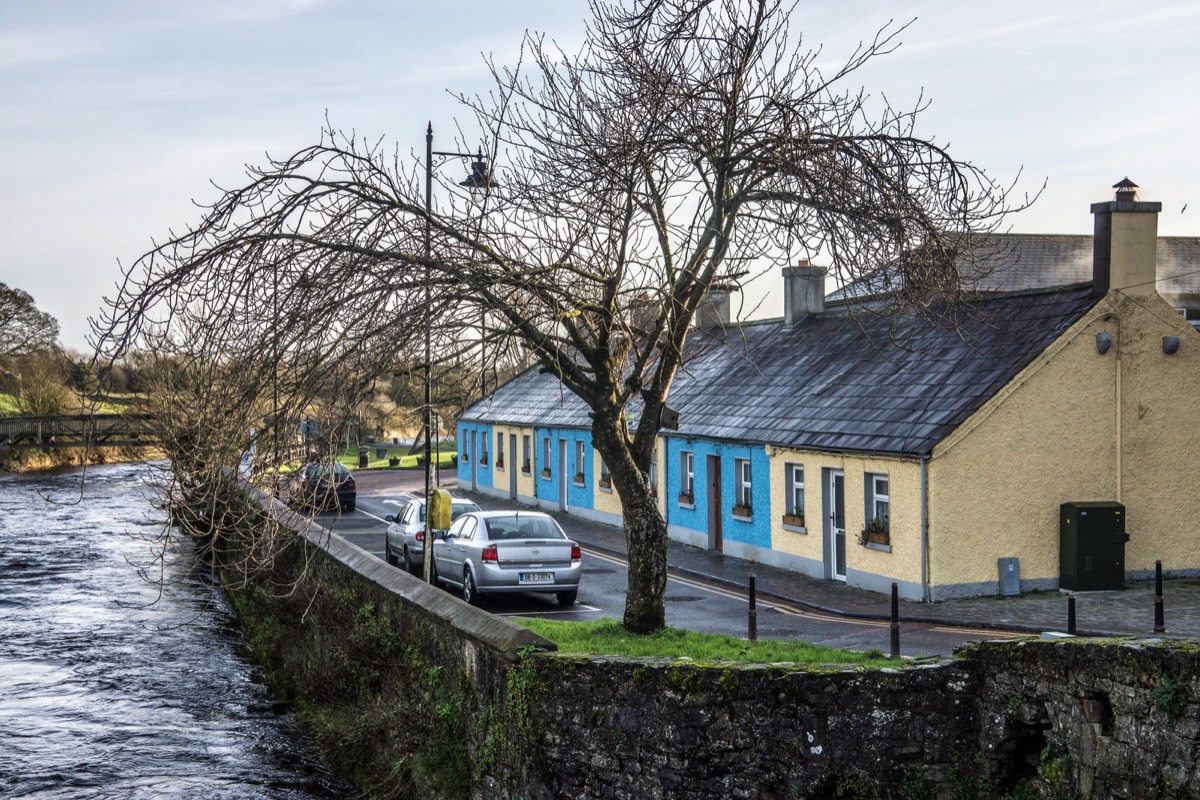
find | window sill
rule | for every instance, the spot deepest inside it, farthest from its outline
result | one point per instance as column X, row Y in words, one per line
column 606, row 489
column 689, row 506
column 794, row 528
column 883, row 548
column 738, row 518
column 577, row 482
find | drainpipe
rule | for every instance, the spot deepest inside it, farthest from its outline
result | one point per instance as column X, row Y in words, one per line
column 925, row 528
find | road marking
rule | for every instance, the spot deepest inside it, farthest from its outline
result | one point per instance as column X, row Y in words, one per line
column 532, row 614
column 980, row 632
column 372, row 516
column 396, row 502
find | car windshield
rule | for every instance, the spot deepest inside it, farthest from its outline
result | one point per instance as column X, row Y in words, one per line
column 523, row 527
column 323, row 470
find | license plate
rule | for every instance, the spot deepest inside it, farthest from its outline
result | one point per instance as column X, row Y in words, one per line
column 537, row 577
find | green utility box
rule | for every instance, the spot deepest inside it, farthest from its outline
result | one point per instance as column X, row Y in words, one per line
column 1091, row 549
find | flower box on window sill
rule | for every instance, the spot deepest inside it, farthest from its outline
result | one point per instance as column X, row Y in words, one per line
column 499, row 463
column 526, row 470
column 687, row 501
column 875, row 532
column 794, row 522
column 605, row 483
column 743, row 512
column 579, row 479
column 466, row 459
column 546, row 473
column 483, row 462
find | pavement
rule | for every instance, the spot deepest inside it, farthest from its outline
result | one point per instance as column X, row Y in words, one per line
column 1126, row 612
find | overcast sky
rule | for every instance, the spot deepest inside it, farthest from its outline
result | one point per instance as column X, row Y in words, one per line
column 114, row 116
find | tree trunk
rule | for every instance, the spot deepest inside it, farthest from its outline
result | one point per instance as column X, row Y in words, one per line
column 645, row 530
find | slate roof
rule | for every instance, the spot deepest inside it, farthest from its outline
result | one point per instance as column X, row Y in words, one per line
column 1023, row 261
column 868, row 382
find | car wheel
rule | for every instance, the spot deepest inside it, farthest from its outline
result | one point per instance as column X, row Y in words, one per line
column 348, row 507
column 470, row 594
column 409, row 566
column 567, row 598
column 387, row 554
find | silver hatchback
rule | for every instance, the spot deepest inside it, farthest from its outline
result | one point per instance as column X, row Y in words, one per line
column 490, row 552
column 404, row 541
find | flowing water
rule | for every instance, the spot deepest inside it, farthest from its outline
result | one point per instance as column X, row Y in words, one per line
column 120, row 676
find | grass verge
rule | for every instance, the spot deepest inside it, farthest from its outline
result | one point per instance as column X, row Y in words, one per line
column 608, row 637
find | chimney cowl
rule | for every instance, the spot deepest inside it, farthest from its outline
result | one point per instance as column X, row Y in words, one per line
column 1126, row 191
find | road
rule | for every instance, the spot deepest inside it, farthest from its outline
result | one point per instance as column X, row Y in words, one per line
column 691, row 603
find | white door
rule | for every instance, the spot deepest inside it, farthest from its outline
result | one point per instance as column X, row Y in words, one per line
column 836, row 509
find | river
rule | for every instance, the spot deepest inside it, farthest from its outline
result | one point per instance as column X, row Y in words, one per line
column 114, row 683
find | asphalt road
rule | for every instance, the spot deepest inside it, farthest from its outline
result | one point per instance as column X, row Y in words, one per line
column 691, row 603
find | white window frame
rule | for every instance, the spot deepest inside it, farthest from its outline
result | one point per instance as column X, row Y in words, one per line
column 687, row 473
column 795, row 490
column 580, row 455
column 483, row 452
column 743, row 482
column 526, row 446
column 499, row 450
column 879, row 498
column 654, row 468
column 546, row 455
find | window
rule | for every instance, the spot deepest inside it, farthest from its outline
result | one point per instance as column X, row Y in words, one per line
column 654, row 469
column 545, row 456
column 499, row 449
column 605, row 477
column 525, row 465
column 466, row 445
column 483, row 448
column 580, row 455
column 687, row 476
column 878, row 499
column 794, row 487
column 741, row 473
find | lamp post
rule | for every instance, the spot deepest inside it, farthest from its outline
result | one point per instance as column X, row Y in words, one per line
column 480, row 178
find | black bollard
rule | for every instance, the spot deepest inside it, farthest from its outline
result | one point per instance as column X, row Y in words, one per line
column 1071, row 613
column 1159, row 626
column 752, row 620
column 895, row 621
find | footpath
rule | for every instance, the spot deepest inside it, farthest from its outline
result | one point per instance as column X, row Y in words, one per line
column 1127, row 612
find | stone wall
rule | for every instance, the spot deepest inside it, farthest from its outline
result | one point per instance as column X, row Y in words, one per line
column 412, row 693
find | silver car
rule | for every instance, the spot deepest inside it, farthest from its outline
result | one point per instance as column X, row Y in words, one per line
column 488, row 552
column 405, row 537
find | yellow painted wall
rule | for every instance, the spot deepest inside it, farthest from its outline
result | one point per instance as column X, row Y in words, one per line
column 1051, row 436
column 609, row 502
column 512, row 460
column 903, row 563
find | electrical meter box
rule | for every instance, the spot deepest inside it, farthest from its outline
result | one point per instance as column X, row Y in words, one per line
column 1091, row 549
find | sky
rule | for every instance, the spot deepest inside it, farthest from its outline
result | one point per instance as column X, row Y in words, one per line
column 116, row 115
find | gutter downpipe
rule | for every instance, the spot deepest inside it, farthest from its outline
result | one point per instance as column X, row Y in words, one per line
column 925, row 527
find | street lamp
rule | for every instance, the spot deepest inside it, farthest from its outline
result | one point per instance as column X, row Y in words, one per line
column 479, row 179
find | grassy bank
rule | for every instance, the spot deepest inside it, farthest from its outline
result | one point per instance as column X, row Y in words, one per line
column 607, row 637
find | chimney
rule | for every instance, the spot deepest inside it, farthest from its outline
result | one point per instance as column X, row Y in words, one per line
column 803, row 291
column 713, row 310
column 1125, row 244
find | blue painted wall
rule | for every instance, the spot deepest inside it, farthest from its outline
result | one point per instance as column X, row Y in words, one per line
column 483, row 473
column 756, row 532
column 548, row 488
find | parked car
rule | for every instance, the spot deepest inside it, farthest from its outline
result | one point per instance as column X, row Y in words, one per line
column 490, row 552
column 323, row 485
column 404, row 541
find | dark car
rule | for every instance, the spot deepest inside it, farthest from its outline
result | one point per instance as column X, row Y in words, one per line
column 324, row 485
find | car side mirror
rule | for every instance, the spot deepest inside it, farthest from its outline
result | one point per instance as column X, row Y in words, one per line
column 390, row 518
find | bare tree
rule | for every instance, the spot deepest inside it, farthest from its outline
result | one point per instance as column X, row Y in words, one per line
column 688, row 145
column 24, row 328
